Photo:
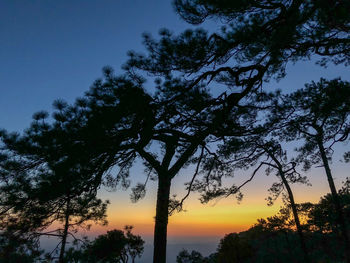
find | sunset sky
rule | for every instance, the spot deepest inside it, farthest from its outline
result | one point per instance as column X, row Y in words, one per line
column 56, row 49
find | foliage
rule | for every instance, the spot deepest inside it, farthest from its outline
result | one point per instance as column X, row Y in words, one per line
column 194, row 257
column 318, row 113
column 115, row 246
column 185, row 257
column 40, row 186
column 16, row 249
column 322, row 216
column 233, row 249
column 274, row 239
column 117, row 121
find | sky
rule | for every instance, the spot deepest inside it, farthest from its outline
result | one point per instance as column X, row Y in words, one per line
column 56, row 49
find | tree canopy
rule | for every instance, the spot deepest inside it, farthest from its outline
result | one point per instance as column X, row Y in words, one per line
column 207, row 93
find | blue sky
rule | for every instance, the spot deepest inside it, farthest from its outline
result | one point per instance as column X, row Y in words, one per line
column 56, row 49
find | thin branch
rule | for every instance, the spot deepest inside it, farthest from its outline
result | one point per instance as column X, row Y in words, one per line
column 180, row 204
column 55, row 248
column 237, row 189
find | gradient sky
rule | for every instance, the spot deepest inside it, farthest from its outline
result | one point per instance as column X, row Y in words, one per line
column 56, row 49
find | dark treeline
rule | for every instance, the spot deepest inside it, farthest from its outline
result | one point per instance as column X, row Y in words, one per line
column 275, row 238
column 50, row 174
column 115, row 246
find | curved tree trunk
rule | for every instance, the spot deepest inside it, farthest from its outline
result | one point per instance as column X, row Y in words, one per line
column 296, row 217
column 336, row 201
column 65, row 233
column 293, row 206
column 161, row 224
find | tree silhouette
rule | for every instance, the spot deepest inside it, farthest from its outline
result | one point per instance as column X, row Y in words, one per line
column 322, row 216
column 267, row 30
column 134, row 245
column 273, row 239
column 255, row 44
column 185, row 257
column 63, row 162
column 233, row 249
column 39, row 187
column 319, row 115
column 256, row 151
column 16, row 249
column 115, row 246
column 121, row 111
column 195, row 257
column 118, row 121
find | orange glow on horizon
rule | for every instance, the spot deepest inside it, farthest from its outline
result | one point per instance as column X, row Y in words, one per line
column 211, row 220
column 198, row 220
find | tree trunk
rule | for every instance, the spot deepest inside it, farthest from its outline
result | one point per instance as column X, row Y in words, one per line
column 336, row 201
column 65, row 233
column 296, row 217
column 161, row 224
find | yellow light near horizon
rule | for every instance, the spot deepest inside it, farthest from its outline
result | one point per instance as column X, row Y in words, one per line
column 198, row 220
column 214, row 219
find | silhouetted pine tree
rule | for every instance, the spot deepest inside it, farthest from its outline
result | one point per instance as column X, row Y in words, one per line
column 117, row 121
column 115, row 246
column 319, row 115
column 256, row 151
column 41, row 185
column 256, row 42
